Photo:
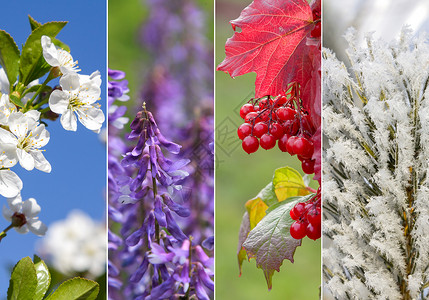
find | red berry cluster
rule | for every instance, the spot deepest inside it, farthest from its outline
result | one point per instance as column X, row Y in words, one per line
column 281, row 120
column 307, row 218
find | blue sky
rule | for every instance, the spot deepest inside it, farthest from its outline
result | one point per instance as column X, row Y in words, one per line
column 78, row 159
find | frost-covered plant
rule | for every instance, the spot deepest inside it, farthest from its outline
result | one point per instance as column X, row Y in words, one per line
column 376, row 156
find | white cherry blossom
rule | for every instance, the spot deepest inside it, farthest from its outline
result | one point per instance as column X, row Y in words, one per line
column 23, row 215
column 78, row 95
column 10, row 183
column 6, row 109
column 24, row 140
column 76, row 244
column 58, row 57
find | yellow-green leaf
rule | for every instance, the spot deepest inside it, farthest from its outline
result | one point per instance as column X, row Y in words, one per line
column 43, row 278
column 23, row 281
column 76, row 289
column 287, row 183
column 33, row 65
column 256, row 209
column 33, row 23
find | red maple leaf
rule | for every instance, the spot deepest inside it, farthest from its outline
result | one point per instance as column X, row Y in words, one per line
column 272, row 43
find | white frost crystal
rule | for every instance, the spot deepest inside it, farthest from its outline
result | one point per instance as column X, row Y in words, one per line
column 376, row 162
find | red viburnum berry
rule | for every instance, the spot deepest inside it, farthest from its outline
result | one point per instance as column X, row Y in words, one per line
column 267, row 141
column 263, row 103
column 314, row 217
column 313, row 232
column 264, row 116
column 303, row 147
column 299, row 209
column 250, row 144
column 298, row 230
column 286, row 113
column 291, row 127
column 276, row 130
column 292, row 215
column 244, row 130
column 250, row 117
column 289, row 144
column 282, row 142
column 259, row 129
column 245, row 109
column 308, row 166
column 280, row 100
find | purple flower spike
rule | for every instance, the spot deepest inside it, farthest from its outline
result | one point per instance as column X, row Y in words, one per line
column 173, row 228
column 179, row 90
column 159, row 214
column 177, row 208
column 163, row 291
column 135, row 237
column 141, row 270
column 204, row 277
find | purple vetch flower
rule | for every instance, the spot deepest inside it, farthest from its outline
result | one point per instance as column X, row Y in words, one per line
column 163, row 192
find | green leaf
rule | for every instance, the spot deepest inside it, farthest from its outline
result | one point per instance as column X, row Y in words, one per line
column 43, row 278
column 242, row 236
column 9, row 57
column 23, row 281
column 76, row 289
column 287, row 183
column 60, row 44
column 268, row 195
column 15, row 100
column 33, row 23
column 35, row 88
column 33, row 65
column 270, row 241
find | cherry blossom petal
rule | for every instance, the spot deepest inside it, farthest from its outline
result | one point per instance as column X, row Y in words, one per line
column 33, row 114
column 7, row 213
column 89, row 93
column 49, row 51
column 15, row 203
column 6, row 108
column 70, row 82
column 59, row 101
column 8, row 157
column 25, row 159
column 68, row 120
column 10, row 184
column 6, row 137
column 22, row 230
column 19, row 124
column 91, row 117
column 94, row 78
column 40, row 162
column 40, row 136
column 37, row 227
column 30, row 208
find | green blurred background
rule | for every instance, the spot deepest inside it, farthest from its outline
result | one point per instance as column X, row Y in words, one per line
column 239, row 177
